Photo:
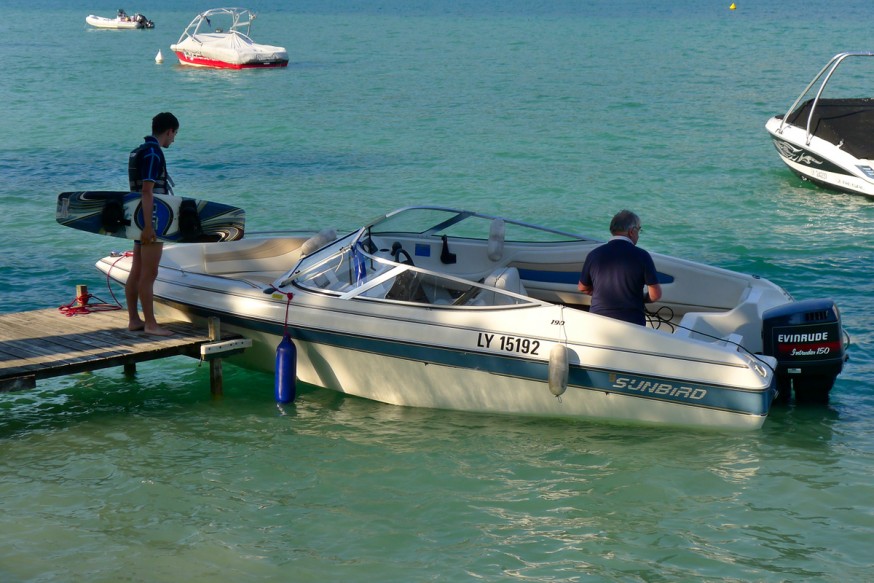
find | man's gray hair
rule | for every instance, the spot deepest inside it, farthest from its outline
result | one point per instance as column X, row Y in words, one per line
column 624, row 221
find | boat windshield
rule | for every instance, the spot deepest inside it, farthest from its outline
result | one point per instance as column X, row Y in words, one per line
column 375, row 263
column 436, row 222
column 352, row 273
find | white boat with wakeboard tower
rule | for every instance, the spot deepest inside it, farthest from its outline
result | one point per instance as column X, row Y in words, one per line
column 219, row 38
column 452, row 309
column 829, row 141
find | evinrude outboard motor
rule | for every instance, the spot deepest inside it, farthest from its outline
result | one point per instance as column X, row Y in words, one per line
column 807, row 340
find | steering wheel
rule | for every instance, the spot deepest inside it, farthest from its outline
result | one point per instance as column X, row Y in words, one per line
column 397, row 251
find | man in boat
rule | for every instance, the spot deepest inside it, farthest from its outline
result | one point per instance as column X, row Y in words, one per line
column 616, row 273
column 147, row 173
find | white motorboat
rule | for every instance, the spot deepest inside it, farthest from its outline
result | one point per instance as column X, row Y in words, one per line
column 830, row 141
column 219, row 38
column 121, row 21
column 441, row 308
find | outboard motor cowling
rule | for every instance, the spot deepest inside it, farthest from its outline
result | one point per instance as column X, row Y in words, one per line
column 807, row 340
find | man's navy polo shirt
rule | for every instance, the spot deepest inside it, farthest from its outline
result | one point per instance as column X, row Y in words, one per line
column 617, row 272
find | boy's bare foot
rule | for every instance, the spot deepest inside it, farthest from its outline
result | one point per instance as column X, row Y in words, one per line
column 136, row 326
column 157, row 331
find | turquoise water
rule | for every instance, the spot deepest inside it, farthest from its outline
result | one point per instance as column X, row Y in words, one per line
column 558, row 113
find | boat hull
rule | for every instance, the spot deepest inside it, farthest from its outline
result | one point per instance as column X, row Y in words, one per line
column 446, row 359
column 406, row 373
column 193, row 60
column 820, row 162
column 115, row 23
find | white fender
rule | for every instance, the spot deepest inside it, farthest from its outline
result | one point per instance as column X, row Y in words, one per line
column 317, row 241
column 496, row 239
column 558, row 369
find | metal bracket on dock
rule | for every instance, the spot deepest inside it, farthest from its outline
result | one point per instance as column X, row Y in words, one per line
column 224, row 348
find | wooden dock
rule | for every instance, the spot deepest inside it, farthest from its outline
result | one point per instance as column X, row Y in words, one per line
column 46, row 343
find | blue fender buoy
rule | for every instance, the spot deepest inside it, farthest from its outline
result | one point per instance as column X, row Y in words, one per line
column 286, row 370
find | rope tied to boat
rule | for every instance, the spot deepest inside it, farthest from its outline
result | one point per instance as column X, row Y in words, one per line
column 289, row 296
column 108, row 271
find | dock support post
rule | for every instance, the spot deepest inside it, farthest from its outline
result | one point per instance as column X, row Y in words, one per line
column 216, row 386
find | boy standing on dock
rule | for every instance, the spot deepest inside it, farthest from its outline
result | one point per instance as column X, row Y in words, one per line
column 147, row 172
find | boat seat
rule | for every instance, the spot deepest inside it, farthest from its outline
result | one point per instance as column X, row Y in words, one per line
column 247, row 255
column 735, row 325
column 506, row 278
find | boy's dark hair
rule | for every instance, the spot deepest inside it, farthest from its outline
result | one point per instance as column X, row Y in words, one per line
column 164, row 121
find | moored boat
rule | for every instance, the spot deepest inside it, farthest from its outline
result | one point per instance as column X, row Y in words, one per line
column 829, row 140
column 219, row 38
column 444, row 308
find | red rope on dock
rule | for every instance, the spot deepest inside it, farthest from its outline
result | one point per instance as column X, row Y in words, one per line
column 81, row 305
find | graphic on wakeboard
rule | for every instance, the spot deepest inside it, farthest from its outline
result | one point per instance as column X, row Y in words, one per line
column 176, row 219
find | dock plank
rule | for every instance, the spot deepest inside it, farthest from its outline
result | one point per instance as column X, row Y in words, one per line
column 34, row 336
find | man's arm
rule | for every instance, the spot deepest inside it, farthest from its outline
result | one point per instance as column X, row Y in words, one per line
column 148, row 204
column 653, row 293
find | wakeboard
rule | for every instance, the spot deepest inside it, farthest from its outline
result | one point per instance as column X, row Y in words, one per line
column 176, row 219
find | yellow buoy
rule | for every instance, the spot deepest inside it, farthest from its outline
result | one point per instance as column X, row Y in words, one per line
column 732, row 7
